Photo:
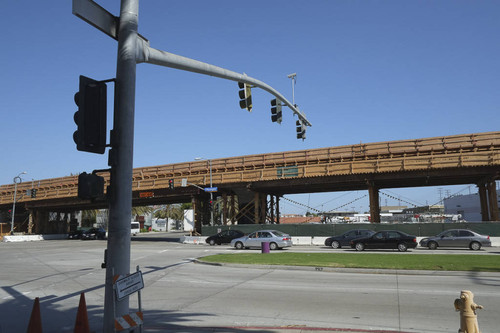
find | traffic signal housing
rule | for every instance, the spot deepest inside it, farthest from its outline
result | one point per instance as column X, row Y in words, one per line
column 301, row 130
column 276, row 113
column 90, row 118
column 33, row 192
column 90, row 186
column 245, row 94
column 171, row 184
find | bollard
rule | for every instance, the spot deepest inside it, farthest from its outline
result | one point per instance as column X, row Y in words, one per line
column 468, row 318
column 265, row 247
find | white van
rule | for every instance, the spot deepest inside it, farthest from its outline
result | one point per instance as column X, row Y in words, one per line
column 135, row 228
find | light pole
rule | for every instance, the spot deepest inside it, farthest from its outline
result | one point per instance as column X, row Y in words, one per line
column 17, row 180
column 294, row 80
column 211, row 193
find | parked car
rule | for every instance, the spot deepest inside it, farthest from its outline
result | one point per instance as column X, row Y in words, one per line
column 94, row 233
column 77, row 234
column 224, row 237
column 457, row 238
column 337, row 242
column 386, row 239
column 275, row 238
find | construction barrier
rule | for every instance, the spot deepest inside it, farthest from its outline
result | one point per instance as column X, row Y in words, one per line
column 128, row 321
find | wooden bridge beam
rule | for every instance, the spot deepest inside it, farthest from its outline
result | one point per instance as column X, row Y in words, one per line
column 374, row 203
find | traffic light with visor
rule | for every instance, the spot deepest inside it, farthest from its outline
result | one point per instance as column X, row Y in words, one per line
column 301, row 130
column 245, row 94
column 90, row 118
column 276, row 113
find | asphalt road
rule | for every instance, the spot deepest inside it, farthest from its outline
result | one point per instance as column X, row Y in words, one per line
column 181, row 295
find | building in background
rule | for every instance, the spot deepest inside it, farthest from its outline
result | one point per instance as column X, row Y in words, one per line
column 469, row 206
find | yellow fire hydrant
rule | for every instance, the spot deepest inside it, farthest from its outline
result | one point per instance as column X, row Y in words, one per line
column 468, row 318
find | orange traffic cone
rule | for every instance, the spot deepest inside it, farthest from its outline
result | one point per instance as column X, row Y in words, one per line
column 35, row 324
column 82, row 320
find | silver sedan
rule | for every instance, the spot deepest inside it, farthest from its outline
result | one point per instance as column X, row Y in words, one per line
column 275, row 238
column 457, row 238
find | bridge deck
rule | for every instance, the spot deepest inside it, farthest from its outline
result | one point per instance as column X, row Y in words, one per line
column 457, row 151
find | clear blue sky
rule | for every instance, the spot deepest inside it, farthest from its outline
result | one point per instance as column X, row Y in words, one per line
column 367, row 71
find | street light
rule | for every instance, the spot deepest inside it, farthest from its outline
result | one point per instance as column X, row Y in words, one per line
column 17, row 180
column 211, row 193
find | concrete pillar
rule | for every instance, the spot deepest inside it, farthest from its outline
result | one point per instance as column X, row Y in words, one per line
column 493, row 200
column 374, row 203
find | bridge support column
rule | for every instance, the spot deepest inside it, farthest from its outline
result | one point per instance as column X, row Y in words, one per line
column 493, row 200
column 277, row 209
column 30, row 222
column 197, row 214
column 374, row 203
column 483, row 199
column 257, row 202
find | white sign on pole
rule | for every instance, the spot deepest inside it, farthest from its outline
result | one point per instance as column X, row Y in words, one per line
column 128, row 285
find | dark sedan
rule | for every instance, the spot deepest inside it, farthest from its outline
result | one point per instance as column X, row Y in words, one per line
column 386, row 239
column 337, row 242
column 94, row 233
column 224, row 237
column 77, row 234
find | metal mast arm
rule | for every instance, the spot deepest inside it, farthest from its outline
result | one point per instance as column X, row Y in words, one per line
column 162, row 58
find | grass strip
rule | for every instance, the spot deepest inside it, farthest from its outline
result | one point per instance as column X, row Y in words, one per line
column 438, row 262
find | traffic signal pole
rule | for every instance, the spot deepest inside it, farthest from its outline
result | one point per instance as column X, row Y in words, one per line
column 133, row 49
column 162, row 58
column 121, row 163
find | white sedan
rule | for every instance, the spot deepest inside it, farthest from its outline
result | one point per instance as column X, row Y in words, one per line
column 275, row 238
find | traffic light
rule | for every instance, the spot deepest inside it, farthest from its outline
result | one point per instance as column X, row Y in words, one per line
column 90, row 118
column 171, row 184
column 245, row 96
column 210, row 205
column 301, row 130
column 33, row 192
column 276, row 114
column 90, row 186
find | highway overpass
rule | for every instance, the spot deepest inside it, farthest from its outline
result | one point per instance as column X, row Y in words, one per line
column 250, row 186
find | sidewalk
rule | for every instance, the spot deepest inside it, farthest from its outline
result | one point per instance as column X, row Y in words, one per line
column 263, row 329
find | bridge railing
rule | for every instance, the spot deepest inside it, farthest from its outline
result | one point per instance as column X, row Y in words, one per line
column 477, row 149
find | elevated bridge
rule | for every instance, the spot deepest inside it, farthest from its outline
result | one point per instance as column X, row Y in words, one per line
column 250, row 186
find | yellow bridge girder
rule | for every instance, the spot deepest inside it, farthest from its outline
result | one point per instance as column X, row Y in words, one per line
column 446, row 152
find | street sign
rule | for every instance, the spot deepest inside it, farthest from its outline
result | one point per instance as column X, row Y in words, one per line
column 128, row 285
column 146, row 194
column 210, row 189
column 95, row 15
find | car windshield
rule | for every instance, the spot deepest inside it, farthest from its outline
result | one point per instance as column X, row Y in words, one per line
column 279, row 233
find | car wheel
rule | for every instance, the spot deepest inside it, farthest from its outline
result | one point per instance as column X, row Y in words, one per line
column 238, row 245
column 273, row 246
column 432, row 245
column 360, row 247
column 402, row 247
column 335, row 245
column 475, row 246
column 211, row 242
